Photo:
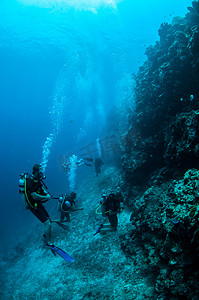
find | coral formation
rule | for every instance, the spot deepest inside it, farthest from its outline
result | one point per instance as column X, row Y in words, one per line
column 166, row 224
column 160, row 160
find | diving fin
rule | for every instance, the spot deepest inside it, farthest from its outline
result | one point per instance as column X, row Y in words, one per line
column 55, row 250
column 52, row 250
column 98, row 229
column 62, row 253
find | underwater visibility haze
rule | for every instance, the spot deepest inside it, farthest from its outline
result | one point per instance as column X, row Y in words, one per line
column 67, row 80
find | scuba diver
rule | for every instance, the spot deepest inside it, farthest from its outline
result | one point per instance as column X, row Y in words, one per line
column 67, row 203
column 33, row 193
column 111, row 204
column 98, row 163
column 71, row 162
column 32, row 189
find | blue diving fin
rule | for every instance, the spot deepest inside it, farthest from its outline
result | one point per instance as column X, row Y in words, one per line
column 55, row 250
column 98, row 229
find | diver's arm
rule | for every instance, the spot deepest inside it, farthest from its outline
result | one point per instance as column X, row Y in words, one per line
column 38, row 197
column 76, row 209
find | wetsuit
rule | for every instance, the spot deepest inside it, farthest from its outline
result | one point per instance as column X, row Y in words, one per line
column 35, row 206
column 112, row 206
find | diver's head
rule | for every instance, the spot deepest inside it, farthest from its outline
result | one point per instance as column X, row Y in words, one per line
column 73, row 195
column 37, row 172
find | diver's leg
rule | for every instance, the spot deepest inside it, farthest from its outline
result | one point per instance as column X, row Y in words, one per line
column 67, row 217
column 47, row 230
column 61, row 217
column 106, row 228
column 113, row 221
column 96, row 171
column 43, row 216
column 112, row 226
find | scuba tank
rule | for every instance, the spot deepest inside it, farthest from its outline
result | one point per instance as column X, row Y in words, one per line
column 60, row 201
column 22, row 183
column 22, row 188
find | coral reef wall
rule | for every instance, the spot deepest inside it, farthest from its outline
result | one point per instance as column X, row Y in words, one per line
column 169, row 77
column 167, row 85
column 161, row 159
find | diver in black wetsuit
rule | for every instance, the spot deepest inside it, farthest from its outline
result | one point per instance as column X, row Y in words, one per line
column 98, row 163
column 35, row 196
column 111, row 205
column 66, row 204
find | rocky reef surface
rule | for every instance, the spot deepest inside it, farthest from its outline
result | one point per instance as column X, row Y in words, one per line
column 166, row 224
column 161, row 160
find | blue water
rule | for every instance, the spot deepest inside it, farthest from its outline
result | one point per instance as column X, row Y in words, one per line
column 63, row 67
